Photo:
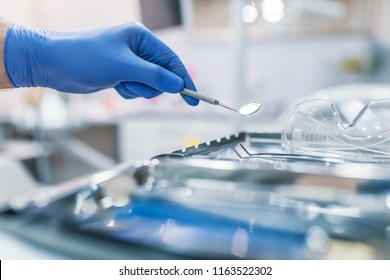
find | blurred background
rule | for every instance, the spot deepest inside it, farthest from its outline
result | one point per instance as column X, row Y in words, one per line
column 272, row 51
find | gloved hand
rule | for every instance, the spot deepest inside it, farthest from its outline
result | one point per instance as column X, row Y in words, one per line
column 127, row 57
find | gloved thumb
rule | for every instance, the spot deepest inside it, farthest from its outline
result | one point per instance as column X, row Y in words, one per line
column 154, row 76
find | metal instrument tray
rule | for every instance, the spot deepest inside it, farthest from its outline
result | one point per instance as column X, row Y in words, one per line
column 242, row 196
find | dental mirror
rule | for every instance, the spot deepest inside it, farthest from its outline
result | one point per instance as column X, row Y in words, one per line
column 249, row 109
column 245, row 110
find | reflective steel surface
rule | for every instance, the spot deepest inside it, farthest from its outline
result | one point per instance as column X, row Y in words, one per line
column 242, row 196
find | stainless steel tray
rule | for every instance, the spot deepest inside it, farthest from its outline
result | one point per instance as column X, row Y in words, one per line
column 241, row 196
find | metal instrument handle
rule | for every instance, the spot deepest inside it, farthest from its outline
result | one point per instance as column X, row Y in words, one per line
column 196, row 95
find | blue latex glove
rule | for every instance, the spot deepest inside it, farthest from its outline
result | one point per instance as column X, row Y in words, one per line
column 126, row 57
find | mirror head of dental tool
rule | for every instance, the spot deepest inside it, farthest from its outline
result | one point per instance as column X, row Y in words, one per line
column 246, row 110
column 249, row 109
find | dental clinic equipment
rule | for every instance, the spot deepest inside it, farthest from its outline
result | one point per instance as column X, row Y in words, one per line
column 246, row 110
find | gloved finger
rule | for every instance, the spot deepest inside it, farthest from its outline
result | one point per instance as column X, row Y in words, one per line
column 125, row 92
column 169, row 60
column 188, row 83
column 153, row 50
column 162, row 80
column 142, row 90
column 153, row 75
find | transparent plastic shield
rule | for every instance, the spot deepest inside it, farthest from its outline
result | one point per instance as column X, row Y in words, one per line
column 350, row 129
